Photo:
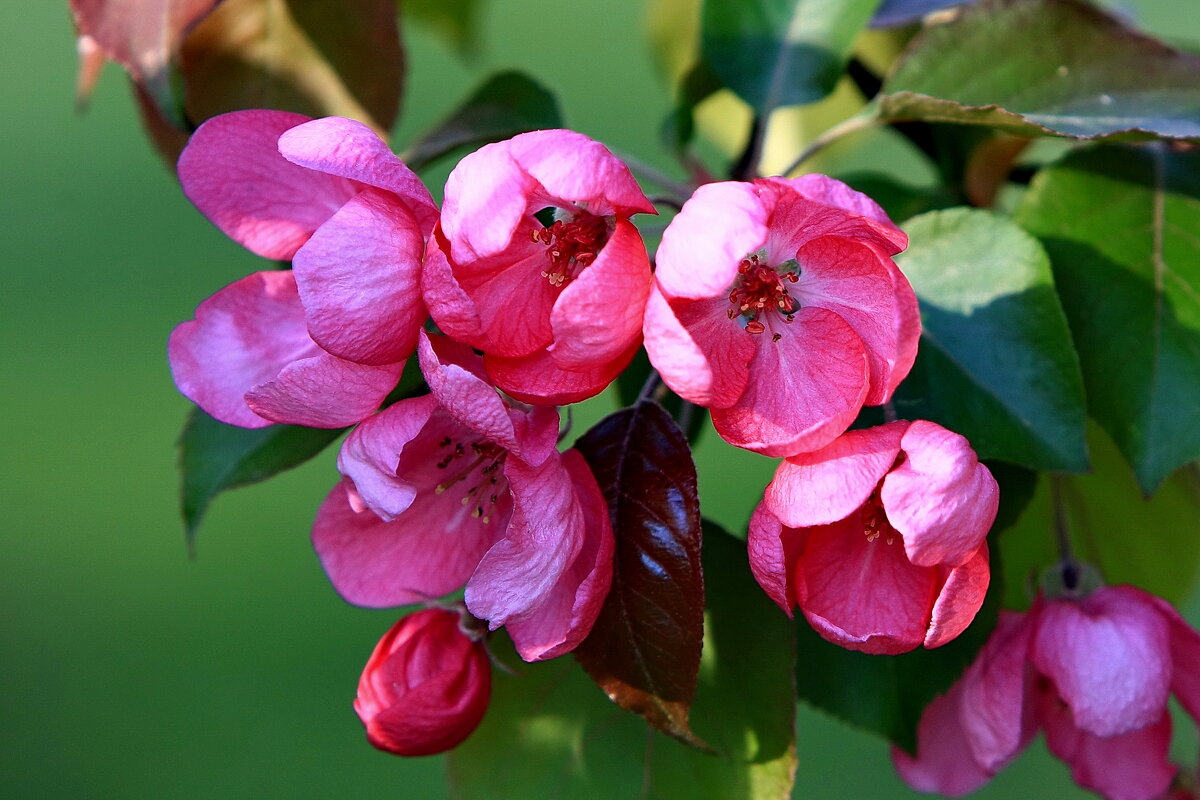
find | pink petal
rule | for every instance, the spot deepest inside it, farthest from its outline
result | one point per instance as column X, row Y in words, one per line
column 861, row 594
column 943, row 764
column 232, row 171
column 832, row 192
column 941, row 498
column 349, row 149
column 487, row 194
column 699, row 352
column 862, row 285
column 360, row 280
column 323, row 391
column 773, row 550
column 598, row 316
column 721, row 224
column 511, row 299
column 241, row 337
column 1185, row 652
column 1127, row 766
column 370, row 456
column 537, row 379
column 566, row 616
column 796, row 220
column 474, row 403
column 959, row 599
column 544, row 536
column 804, row 390
column 1108, row 654
column 995, row 711
column 451, row 308
column 826, row 485
column 429, row 550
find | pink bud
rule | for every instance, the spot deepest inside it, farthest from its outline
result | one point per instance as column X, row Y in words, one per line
column 426, row 686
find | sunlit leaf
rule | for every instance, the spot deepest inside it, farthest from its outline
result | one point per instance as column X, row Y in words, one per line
column 1068, row 69
column 1120, row 225
column 644, row 650
column 455, row 21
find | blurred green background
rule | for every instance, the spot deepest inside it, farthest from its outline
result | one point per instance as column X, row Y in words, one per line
column 130, row 671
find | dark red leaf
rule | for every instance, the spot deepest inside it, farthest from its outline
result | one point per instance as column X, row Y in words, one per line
column 644, row 650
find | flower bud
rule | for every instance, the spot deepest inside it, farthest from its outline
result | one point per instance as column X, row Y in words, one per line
column 426, row 686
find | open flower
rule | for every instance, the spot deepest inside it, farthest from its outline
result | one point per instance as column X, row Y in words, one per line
column 1093, row 672
column 426, row 686
column 536, row 263
column 460, row 487
column 777, row 305
column 879, row 537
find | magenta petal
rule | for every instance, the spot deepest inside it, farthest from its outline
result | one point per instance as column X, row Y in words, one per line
column 863, row 286
column 943, row 764
column 833, row 192
column 996, row 714
column 941, row 498
column 349, row 149
column 598, row 316
column 370, row 456
column 566, row 616
column 959, row 599
column 1185, row 652
column 772, row 550
column 826, row 485
column 537, row 379
column 424, row 553
column 450, row 306
column 1127, row 766
column 232, row 171
column 323, row 391
column 241, row 337
column 360, row 281
column 474, row 403
column 1108, row 654
column 803, row 390
column 862, row 594
column 487, row 194
column 701, row 354
column 796, row 220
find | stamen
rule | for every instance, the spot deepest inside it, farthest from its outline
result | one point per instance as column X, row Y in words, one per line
column 571, row 246
column 760, row 288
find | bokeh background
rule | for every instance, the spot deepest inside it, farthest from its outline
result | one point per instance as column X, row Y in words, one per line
column 131, row 671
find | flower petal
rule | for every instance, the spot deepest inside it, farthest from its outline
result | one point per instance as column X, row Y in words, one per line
column 487, row 195
column 232, row 171
column 1109, row 656
column 474, row 403
column 773, row 550
column 832, row 192
column 451, row 308
column 537, row 378
column 371, row 454
column 360, row 281
column 943, row 764
column 699, row 352
column 996, row 712
column 826, row 485
column 1185, row 654
column 323, row 391
column 941, row 498
column 959, row 598
column 796, row 220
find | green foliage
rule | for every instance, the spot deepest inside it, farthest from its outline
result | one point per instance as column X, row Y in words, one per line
column 455, row 21
column 1120, row 227
column 996, row 362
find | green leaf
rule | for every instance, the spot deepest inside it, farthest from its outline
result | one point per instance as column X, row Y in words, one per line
column 455, row 21
column 506, row 104
column 1152, row 543
column 214, row 457
column 1045, row 68
column 996, row 362
column 549, row 733
column 775, row 53
column 1121, row 227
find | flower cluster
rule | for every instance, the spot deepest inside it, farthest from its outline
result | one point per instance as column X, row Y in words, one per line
column 774, row 303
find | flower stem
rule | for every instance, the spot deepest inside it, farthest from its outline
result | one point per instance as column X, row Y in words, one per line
column 746, row 167
column 861, row 121
column 678, row 192
column 1062, row 535
column 653, row 382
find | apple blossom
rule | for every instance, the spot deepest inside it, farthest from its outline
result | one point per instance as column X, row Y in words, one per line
column 879, row 537
column 554, row 304
column 777, row 305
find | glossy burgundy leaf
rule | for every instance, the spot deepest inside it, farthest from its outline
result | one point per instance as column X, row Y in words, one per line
column 644, row 650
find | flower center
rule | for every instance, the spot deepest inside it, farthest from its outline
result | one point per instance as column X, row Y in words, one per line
column 571, row 245
column 760, row 288
column 477, row 467
column 875, row 522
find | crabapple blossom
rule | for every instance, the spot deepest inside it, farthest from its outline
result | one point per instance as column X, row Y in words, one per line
column 1093, row 672
column 426, row 686
column 460, row 487
column 777, row 305
column 879, row 537
column 536, row 263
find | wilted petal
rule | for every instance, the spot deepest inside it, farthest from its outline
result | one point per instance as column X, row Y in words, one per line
column 943, row 764
column 233, row 172
column 1109, row 656
column 941, row 498
column 996, row 710
column 826, row 485
column 959, row 599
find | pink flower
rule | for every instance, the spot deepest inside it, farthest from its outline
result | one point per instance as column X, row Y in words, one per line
column 1093, row 672
column 459, row 487
column 330, row 196
column 426, row 686
column 554, row 304
column 879, row 537
column 777, row 305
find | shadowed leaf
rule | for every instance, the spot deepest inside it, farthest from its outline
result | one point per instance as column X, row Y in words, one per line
column 455, row 21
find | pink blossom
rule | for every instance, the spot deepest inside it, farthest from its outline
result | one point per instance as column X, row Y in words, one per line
column 555, row 305
column 879, row 537
column 426, row 686
column 1094, row 673
column 777, row 305
column 460, row 487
